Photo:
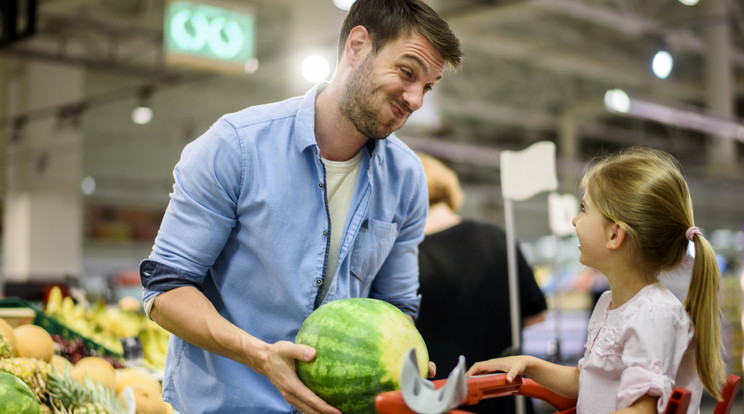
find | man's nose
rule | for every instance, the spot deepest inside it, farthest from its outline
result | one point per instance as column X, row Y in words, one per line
column 414, row 98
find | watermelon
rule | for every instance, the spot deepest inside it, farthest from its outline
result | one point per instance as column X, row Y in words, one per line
column 16, row 397
column 360, row 347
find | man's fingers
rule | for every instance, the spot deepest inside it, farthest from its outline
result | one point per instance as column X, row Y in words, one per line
column 307, row 402
column 297, row 351
column 293, row 390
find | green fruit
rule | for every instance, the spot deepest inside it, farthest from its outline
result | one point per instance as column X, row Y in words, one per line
column 16, row 397
column 360, row 347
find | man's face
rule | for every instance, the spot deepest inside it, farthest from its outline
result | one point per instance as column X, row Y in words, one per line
column 383, row 91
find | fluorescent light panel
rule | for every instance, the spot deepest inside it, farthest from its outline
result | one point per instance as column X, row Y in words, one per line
column 694, row 118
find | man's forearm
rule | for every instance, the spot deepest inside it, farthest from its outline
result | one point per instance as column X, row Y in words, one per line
column 188, row 314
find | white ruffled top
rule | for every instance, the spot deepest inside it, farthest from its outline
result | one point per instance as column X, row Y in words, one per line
column 645, row 346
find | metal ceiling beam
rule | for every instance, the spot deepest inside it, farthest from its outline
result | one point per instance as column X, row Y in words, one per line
column 576, row 64
column 634, row 26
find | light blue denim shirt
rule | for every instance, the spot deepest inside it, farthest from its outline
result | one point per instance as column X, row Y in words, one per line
column 248, row 224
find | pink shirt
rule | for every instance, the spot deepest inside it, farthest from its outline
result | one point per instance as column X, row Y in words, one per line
column 643, row 347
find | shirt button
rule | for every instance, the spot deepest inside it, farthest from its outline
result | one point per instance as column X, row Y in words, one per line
column 348, row 238
column 318, row 281
column 324, row 233
column 320, row 185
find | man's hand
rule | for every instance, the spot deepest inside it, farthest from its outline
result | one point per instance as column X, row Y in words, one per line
column 280, row 370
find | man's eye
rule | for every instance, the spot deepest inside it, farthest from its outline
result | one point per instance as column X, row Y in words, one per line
column 407, row 73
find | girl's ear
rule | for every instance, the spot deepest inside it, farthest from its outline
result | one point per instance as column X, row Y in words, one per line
column 616, row 236
column 357, row 44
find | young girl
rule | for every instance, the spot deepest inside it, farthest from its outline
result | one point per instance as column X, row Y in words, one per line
column 635, row 221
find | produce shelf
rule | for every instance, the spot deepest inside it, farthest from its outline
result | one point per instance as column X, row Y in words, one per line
column 54, row 327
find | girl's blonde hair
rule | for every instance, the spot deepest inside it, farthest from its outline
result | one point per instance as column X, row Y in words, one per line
column 444, row 187
column 644, row 191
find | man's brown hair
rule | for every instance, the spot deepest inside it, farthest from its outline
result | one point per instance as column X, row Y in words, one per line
column 385, row 20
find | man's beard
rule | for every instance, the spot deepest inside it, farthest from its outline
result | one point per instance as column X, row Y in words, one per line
column 357, row 104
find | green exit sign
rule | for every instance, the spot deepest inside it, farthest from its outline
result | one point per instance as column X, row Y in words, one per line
column 208, row 36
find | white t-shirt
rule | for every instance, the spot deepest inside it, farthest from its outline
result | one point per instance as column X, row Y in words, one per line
column 341, row 177
column 645, row 346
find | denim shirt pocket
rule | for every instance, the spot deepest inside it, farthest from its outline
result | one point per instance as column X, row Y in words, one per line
column 371, row 247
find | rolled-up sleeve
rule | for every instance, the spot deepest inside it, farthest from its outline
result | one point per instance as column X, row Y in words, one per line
column 654, row 345
column 200, row 215
column 638, row 381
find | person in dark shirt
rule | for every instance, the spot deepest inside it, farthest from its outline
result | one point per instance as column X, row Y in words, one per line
column 465, row 287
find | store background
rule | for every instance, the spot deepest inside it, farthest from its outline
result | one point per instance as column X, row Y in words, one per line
column 83, row 188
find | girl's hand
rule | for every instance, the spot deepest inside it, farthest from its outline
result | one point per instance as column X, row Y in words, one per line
column 513, row 366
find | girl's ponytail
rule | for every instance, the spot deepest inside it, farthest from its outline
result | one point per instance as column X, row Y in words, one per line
column 702, row 305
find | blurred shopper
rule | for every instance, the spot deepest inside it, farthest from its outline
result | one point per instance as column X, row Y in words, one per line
column 465, row 285
column 280, row 208
column 636, row 220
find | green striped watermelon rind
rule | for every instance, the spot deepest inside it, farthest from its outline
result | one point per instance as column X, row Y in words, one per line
column 16, row 397
column 361, row 344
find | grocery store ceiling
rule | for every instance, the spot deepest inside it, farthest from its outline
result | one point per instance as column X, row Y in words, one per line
column 534, row 70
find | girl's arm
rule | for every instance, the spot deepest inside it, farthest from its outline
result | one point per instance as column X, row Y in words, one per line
column 560, row 379
column 643, row 405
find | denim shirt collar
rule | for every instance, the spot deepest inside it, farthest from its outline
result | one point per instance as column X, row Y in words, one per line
column 305, row 126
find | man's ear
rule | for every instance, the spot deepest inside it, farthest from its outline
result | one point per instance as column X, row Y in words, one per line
column 358, row 44
column 616, row 236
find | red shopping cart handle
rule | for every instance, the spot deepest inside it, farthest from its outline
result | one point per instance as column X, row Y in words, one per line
column 479, row 387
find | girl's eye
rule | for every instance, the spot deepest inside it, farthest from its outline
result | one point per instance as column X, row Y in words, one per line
column 582, row 208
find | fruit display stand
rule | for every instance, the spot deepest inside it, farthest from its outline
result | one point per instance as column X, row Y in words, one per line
column 62, row 373
column 12, row 306
column 17, row 316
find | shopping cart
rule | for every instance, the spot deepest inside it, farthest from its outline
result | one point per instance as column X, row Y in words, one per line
column 477, row 388
column 492, row 386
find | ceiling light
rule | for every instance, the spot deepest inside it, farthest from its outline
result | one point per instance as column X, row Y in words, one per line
column 343, row 4
column 88, row 185
column 142, row 114
column 689, row 2
column 251, row 66
column 617, row 100
column 315, row 68
column 689, row 117
column 662, row 64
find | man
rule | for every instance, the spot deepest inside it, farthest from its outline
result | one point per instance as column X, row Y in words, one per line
column 280, row 208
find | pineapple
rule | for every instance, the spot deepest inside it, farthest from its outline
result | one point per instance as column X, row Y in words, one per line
column 92, row 408
column 67, row 396
column 6, row 347
column 32, row 371
column 88, row 408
